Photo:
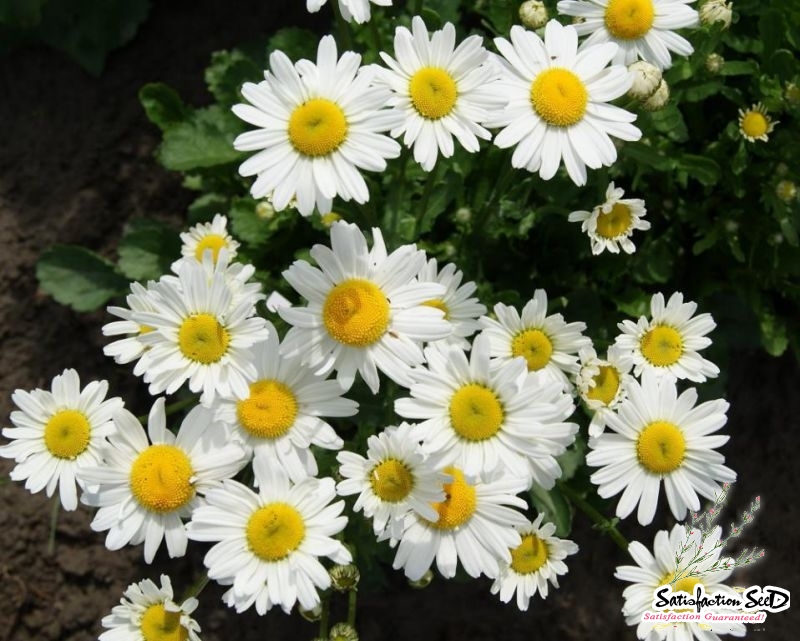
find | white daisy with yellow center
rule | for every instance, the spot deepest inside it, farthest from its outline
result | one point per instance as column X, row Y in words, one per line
column 145, row 489
column 537, row 560
column 148, row 612
column 57, row 433
column 211, row 237
column 281, row 417
column 352, row 10
column 643, row 29
column 658, row 436
column 318, row 124
column 366, row 310
column 269, row 544
column 130, row 348
column 610, row 225
column 668, row 343
column 557, row 102
column 441, row 90
column 755, row 123
column 602, row 383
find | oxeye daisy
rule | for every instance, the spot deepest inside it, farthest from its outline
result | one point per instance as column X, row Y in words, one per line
column 642, row 28
column 365, row 309
column 441, row 90
column 145, row 488
column 269, row 544
column 668, row 343
column 610, row 225
column 755, row 123
column 539, row 558
column 147, row 612
column 130, row 348
column 206, row 237
column 318, row 124
column 280, row 419
column 56, row 433
column 658, row 436
column 357, row 10
column 558, row 102
column 602, row 383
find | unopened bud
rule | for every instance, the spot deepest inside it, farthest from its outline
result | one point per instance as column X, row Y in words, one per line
column 786, row 190
column 792, row 94
column 533, row 14
column 659, row 98
column 646, row 78
column 344, row 577
column 313, row 614
column 343, row 632
column 423, row 582
column 265, row 210
column 463, row 214
column 713, row 11
column 714, row 63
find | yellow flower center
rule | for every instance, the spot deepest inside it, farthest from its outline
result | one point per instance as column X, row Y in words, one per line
column 269, row 411
column 534, row 346
column 275, row 531
column 317, row 127
column 529, row 556
column 391, row 480
column 629, row 19
column 755, row 124
column 157, row 624
column 161, row 478
column 67, row 433
column 433, row 92
column 475, row 412
column 459, row 503
column 686, row 584
column 606, row 384
column 662, row 346
column 559, row 97
column 660, row 447
column 356, row 312
column 214, row 242
column 438, row 303
column 202, row 338
column 616, row 222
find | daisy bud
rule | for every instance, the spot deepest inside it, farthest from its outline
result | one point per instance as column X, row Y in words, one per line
column 714, row 63
column 716, row 11
column 463, row 215
column 343, row 632
column 344, row 577
column 792, row 94
column 422, row 582
column 659, row 98
column 265, row 210
column 311, row 615
column 646, row 78
column 786, row 190
column 533, row 14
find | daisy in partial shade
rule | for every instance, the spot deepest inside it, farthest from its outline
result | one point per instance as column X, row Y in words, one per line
column 474, row 526
column 658, row 436
column 145, row 488
column 558, row 102
column 653, row 570
column 148, row 612
column 642, row 28
column 57, row 433
column 442, row 90
column 393, row 480
column 318, row 124
column 130, row 348
column 755, row 123
column 366, row 310
column 668, row 343
column 280, row 419
column 206, row 237
column 539, row 558
column 610, row 225
column 357, row 10
column 603, row 383
column 548, row 344
column 270, row 543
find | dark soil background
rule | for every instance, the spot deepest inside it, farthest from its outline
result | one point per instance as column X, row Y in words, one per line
column 76, row 162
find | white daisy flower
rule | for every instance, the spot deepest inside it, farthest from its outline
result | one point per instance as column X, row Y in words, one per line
column 558, row 102
column 486, row 419
column 643, row 29
column 473, row 526
column 130, row 348
column 539, row 558
column 668, row 343
column 57, row 433
column 206, row 237
column 145, row 488
column 611, row 224
column 548, row 344
column 603, row 383
column 392, row 480
column 317, row 125
column 148, row 612
column 658, row 436
column 269, row 543
column 653, row 570
column 365, row 309
column 280, row 419
column 358, row 10
column 442, row 90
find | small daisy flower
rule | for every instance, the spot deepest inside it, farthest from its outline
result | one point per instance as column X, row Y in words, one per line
column 539, row 558
column 130, row 348
column 642, row 28
column 358, row 10
column 269, row 544
column 603, row 383
column 148, row 612
column 206, row 237
column 145, row 488
column 548, row 344
column 442, row 90
column 392, row 480
column 668, row 343
column 658, row 436
column 611, row 224
column 57, row 433
column 366, row 310
column 318, row 124
column 755, row 123
column 558, row 102
column 280, row 419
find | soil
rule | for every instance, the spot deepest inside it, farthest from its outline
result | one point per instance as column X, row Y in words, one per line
column 76, row 163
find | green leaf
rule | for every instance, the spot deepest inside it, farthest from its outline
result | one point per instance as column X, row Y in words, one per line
column 228, row 71
column 702, row 91
column 771, row 28
column 78, row 277
column 571, row 460
column 773, row 334
column 707, row 242
column 246, row 225
column 204, row 207
column 294, row 42
column 783, row 64
column 670, row 122
column 21, row 13
column 162, row 105
column 205, row 140
column 701, row 168
column 555, row 508
column 642, row 153
column 147, row 250
column 739, row 68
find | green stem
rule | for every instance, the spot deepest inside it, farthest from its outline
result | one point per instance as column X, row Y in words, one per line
column 51, row 537
column 398, row 189
column 172, row 408
column 323, row 618
column 426, row 196
column 604, row 523
column 342, row 28
column 352, row 599
column 197, row 587
column 376, row 35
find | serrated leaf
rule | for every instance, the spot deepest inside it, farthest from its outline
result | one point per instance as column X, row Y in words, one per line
column 571, row 460
column 246, row 225
column 555, row 507
column 205, row 140
column 147, row 250
column 228, row 71
column 670, row 121
column 162, row 105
